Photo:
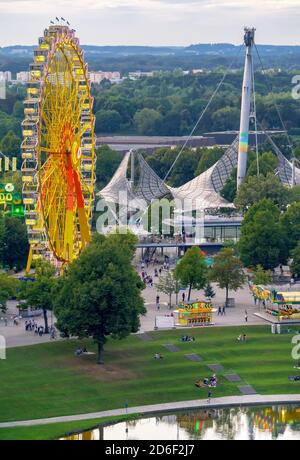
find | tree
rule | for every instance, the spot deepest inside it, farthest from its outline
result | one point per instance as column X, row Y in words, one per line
column 208, row 158
column 8, row 289
column 261, row 276
column 167, row 284
column 147, row 121
column 13, row 242
column 107, row 121
column 108, row 161
column 255, row 188
column 191, row 270
column 40, row 293
column 229, row 190
column 268, row 162
column 18, row 110
column 226, row 118
column 10, row 144
column 227, row 271
column 209, row 292
column 262, row 238
column 100, row 295
column 290, row 222
column 295, row 255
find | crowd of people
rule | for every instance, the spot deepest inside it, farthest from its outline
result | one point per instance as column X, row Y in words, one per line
column 33, row 326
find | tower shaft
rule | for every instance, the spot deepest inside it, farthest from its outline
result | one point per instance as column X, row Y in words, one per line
column 245, row 106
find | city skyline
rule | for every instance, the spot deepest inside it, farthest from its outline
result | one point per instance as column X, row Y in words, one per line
column 153, row 22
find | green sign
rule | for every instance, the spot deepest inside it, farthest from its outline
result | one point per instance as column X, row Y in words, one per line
column 11, row 201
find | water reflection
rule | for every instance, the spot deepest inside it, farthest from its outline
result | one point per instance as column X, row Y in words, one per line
column 248, row 423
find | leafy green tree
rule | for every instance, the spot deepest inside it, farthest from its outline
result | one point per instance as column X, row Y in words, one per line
column 261, row 276
column 40, row 294
column 227, row 271
column 10, row 144
column 8, row 289
column 147, row 121
column 268, row 162
column 295, row 255
column 13, row 242
column 185, row 167
column 108, row 161
column 262, row 239
column 294, row 194
column 230, row 188
column 208, row 158
column 18, row 110
column 171, row 124
column 167, row 284
column 107, row 121
column 191, row 270
column 226, row 118
column 100, row 295
column 290, row 222
column 255, row 188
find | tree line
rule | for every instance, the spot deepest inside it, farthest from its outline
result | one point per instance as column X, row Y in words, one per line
column 169, row 103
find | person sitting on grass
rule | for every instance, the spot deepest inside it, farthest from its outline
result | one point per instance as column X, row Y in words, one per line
column 213, row 381
column 158, row 356
column 186, row 338
column 294, row 378
column 241, row 338
column 199, row 384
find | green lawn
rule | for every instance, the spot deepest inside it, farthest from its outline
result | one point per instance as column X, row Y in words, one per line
column 48, row 380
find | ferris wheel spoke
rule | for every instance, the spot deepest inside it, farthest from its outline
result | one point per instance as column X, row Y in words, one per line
column 83, row 221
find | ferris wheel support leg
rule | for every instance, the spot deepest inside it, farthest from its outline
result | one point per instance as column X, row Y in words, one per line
column 29, row 261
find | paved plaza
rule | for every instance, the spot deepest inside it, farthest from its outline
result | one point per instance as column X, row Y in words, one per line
column 235, row 316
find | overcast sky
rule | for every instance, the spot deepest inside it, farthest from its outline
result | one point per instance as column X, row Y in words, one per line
column 153, row 22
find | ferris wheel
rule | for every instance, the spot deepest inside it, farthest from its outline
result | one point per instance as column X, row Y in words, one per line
column 58, row 148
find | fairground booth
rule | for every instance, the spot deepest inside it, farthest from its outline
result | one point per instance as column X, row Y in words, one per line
column 281, row 306
column 197, row 313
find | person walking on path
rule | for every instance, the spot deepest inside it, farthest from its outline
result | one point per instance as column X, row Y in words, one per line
column 223, row 310
column 219, row 311
column 183, row 297
column 157, row 302
column 246, row 316
column 209, row 396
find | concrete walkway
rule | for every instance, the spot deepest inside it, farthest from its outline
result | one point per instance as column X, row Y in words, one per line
column 228, row 401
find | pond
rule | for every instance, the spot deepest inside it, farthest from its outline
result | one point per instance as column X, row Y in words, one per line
column 243, row 423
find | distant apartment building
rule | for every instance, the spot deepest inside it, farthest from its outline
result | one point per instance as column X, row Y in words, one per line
column 139, row 74
column 23, row 77
column 97, row 76
column 5, row 75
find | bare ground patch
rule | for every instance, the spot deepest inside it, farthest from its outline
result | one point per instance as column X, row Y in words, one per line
column 83, row 365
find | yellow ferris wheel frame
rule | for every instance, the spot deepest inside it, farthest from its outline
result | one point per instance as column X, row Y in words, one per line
column 58, row 149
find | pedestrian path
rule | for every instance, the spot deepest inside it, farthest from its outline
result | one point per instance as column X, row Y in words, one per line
column 227, row 401
column 229, row 374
